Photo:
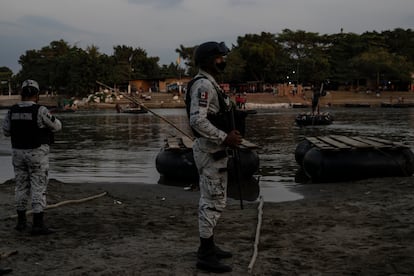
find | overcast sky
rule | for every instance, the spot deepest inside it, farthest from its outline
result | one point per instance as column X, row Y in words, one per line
column 160, row 26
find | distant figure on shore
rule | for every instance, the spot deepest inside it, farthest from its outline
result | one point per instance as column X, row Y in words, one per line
column 317, row 93
column 118, row 108
column 241, row 101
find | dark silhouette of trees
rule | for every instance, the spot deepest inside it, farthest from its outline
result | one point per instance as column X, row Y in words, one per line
column 374, row 59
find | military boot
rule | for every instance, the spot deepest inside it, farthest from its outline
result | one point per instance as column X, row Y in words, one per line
column 39, row 228
column 4, row 271
column 222, row 254
column 21, row 221
column 207, row 258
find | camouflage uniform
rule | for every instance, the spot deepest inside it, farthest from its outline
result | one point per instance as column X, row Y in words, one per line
column 31, row 165
column 213, row 173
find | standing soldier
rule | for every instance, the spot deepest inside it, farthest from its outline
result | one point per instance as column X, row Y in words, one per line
column 209, row 109
column 317, row 93
column 31, row 128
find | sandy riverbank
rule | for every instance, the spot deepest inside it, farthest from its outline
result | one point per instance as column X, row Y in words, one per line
column 356, row 228
column 255, row 100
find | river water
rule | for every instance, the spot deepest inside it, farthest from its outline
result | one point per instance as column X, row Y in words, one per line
column 103, row 146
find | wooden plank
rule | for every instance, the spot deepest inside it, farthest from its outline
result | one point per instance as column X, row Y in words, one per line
column 320, row 144
column 350, row 141
column 396, row 144
column 173, row 143
column 333, row 142
column 370, row 142
column 187, row 142
column 339, row 142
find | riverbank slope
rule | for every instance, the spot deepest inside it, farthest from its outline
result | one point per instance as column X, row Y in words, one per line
column 356, row 228
column 168, row 100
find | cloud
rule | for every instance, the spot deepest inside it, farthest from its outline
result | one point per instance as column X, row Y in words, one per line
column 46, row 23
column 161, row 26
column 242, row 2
column 159, row 4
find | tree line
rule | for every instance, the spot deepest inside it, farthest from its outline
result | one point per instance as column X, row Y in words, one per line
column 378, row 59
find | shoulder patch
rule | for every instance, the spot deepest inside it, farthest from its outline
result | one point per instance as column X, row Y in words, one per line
column 203, row 97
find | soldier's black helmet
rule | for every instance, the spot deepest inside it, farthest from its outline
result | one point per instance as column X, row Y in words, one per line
column 30, row 88
column 209, row 50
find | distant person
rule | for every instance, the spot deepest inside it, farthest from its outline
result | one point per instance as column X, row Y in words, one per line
column 317, row 93
column 239, row 100
column 31, row 128
column 244, row 100
column 208, row 108
column 118, row 108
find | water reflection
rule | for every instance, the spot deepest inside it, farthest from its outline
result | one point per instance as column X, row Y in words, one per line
column 104, row 146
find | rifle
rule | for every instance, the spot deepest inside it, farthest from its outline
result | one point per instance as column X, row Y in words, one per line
column 236, row 160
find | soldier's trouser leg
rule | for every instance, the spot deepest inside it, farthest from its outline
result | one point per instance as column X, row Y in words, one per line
column 22, row 179
column 213, row 191
column 213, row 195
column 31, row 169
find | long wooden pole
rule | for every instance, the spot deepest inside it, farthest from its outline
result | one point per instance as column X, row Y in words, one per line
column 135, row 101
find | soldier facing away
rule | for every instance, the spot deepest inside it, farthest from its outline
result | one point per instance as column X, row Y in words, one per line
column 31, row 128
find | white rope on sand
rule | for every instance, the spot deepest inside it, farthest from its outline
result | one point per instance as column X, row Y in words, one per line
column 256, row 241
column 5, row 255
column 65, row 202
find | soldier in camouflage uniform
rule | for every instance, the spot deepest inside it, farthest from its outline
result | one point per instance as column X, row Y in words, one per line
column 208, row 108
column 31, row 128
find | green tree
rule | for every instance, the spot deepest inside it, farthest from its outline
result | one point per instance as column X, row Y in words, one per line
column 381, row 65
column 308, row 53
column 5, row 80
column 344, row 47
column 236, row 67
column 263, row 55
column 345, row 58
column 186, row 57
column 134, row 64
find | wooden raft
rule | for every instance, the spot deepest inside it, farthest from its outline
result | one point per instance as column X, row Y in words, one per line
column 339, row 142
column 179, row 143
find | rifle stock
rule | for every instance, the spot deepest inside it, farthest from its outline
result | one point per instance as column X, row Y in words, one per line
column 236, row 162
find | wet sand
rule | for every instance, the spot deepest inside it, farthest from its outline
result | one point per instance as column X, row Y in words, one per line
column 353, row 228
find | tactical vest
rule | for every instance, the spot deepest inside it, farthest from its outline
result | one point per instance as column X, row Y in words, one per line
column 226, row 119
column 24, row 130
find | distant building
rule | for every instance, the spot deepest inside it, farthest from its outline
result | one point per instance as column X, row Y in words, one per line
column 159, row 85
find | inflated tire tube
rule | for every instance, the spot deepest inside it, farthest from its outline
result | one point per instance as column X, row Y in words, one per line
column 180, row 165
column 176, row 165
column 332, row 166
column 301, row 149
column 249, row 163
